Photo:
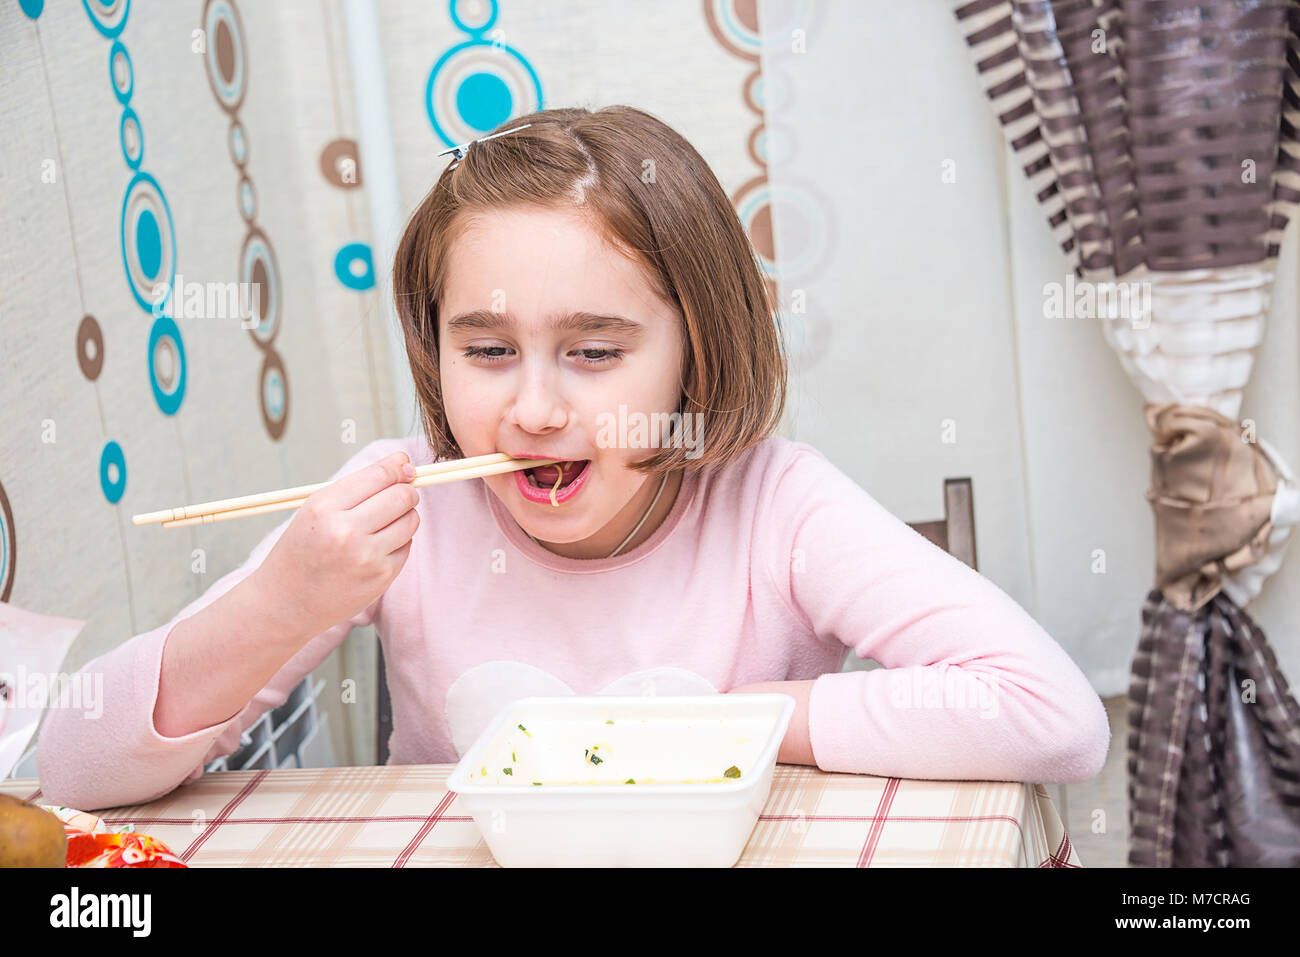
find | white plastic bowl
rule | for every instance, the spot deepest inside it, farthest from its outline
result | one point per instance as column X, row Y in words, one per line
column 682, row 810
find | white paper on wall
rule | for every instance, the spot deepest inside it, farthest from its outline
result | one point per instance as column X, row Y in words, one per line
column 32, row 646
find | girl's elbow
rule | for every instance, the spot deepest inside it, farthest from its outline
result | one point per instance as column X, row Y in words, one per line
column 1080, row 748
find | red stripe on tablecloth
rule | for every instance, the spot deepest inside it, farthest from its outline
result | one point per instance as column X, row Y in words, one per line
column 465, row 819
column 1062, row 856
column 225, row 813
column 424, row 830
column 878, row 825
column 899, row 818
column 324, row 819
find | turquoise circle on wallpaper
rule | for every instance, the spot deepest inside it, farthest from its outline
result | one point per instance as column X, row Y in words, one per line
column 121, row 74
column 112, row 472
column 148, row 243
column 484, row 101
column 108, row 16
column 355, row 267
column 131, row 138
column 166, row 364
column 474, row 30
column 475, row 87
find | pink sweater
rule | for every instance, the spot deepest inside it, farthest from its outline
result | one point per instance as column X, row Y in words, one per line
column 772, row 568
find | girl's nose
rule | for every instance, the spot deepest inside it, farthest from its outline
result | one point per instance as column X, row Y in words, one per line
column 538, row 404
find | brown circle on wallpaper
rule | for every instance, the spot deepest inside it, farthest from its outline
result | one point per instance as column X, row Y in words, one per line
column 246, row 197
column 273, row 394
column 258, row 266
column 225, row 52
column 743, row 13
column 751, row 145
column 237, row 143
column 339, row 163
column 751, row 92
column 227, row 65
column 8, row 546
column 90, row 348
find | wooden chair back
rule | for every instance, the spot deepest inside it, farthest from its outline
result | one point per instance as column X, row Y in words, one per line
column 955, row 532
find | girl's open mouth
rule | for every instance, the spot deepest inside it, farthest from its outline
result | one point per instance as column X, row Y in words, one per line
column 539, row 484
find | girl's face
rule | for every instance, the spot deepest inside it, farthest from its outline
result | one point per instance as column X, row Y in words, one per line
column 544, row 332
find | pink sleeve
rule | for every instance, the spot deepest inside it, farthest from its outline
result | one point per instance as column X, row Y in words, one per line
column 970, row 686
column 88, row 760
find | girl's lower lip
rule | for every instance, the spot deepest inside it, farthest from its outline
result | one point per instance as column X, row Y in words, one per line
column 542, row 496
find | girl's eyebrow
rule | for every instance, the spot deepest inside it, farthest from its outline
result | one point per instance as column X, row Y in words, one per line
column 486, row 319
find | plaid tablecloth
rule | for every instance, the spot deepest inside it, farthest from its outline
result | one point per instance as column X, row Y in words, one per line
column 404, row 816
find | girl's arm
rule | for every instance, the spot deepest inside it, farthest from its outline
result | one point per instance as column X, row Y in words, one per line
column 971, row 687
column 336, row 556
column 224, row 652
column 118, row 754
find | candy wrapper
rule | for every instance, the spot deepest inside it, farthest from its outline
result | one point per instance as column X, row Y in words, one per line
column 92, row 843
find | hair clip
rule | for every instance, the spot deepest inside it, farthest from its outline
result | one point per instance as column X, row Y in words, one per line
column 461, row 150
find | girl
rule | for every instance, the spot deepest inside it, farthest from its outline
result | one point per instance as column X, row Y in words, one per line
column 559, row 284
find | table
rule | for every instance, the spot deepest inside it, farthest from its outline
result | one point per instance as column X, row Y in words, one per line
column 404, row 816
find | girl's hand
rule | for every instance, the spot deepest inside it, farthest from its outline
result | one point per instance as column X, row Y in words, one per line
column 344, row 547
column 796, row 746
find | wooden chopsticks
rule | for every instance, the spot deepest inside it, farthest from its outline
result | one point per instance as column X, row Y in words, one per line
column 242, row 506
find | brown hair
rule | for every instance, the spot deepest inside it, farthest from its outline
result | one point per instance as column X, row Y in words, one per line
column 651, row 196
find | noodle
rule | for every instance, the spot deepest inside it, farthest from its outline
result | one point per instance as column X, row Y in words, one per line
column 560, row 469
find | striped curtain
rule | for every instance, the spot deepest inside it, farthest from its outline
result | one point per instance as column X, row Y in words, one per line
column 1160, row 136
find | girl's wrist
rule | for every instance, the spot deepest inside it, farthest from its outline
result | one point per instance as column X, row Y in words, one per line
column 274, row 613
column 796, row 746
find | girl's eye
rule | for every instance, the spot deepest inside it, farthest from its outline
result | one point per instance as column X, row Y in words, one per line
column 591, row 357
column 483, row 351
column 601, row 356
